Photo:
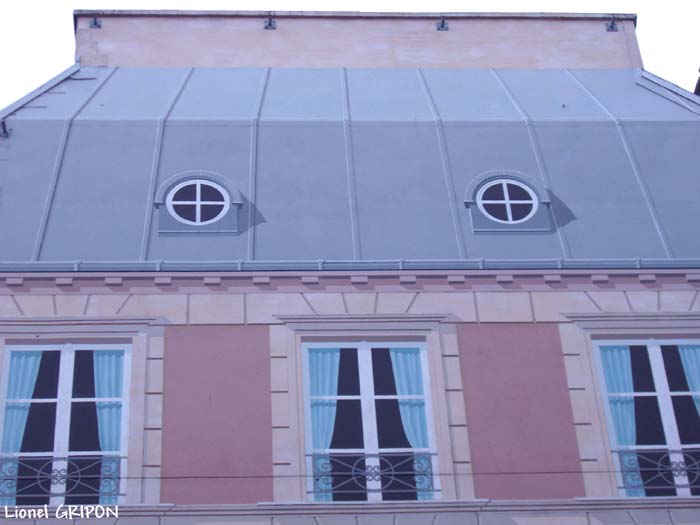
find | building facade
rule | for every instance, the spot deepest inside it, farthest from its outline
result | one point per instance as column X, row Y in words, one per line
column 330, row 268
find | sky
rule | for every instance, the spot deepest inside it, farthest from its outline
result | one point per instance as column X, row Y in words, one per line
column 37, row 42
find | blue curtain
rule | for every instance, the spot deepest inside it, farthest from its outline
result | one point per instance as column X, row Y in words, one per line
column 690, row 357
column 617, row 367
column 324, row 364
column 24, row 368
column 109, row 376
column 109, row 372
column 405, row 363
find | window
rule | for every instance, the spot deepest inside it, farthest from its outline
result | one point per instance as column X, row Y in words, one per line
column 64, row 424
column 197, row 202
column 506, row 201
column 653, row 404
column 368, row 431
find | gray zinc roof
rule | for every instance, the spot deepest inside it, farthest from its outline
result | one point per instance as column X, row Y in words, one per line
column 350, row 169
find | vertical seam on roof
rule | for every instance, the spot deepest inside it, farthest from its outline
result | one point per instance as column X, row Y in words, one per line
column 253, row 165
column 635, row 167
column 446, row 171
column 56, row 170
column 155, row 166
column 350, row 168
column 537, row 151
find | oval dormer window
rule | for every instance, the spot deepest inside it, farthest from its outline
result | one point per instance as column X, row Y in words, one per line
column 507, row 201
column 197, row 202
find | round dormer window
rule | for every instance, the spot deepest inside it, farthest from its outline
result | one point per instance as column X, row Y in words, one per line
column 197, row 202
column 507, row 201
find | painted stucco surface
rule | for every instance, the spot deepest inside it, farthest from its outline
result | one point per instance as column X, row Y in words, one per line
column 217, row 444
column 328, row 42
column 520, row 422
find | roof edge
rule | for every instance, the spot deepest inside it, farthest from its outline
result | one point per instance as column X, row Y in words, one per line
column 350, row 14
column 7, row 111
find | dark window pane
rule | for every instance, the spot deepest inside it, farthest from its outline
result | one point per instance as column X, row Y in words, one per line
column 186, row 211
column 648, row 421
column 209, row 211
column 83, row 485
column 84, row 434
column 687, row 418
column 494, row 193
column 516, row 193
column 348, row 374
column 675, row 374
column 83, row 374
column 390, row 431
column 34, row 481
column 46, row 384
column 520, row 211
column 347, row 432
column 209, row 193
column 398, row 479
column 641, row 369
column 497, row 210
column 349, row 483
column 39, row 429
column 186, row 193
column 383, row 372
column 657, row 476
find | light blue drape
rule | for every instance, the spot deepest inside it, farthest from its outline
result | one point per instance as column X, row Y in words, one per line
column 617, row 366
column 24, row 367
column 324, row 364
column 405, row 363
column 109, row 372
column 690, row 357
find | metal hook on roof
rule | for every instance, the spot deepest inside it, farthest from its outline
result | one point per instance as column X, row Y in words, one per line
column 95, row 23
column 270, row 23
column 612, row 25
column 5, row 132
column 442, row 25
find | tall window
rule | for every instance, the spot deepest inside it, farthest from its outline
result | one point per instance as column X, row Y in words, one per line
column 653, row 401
column 64, row 424
column 368, row 423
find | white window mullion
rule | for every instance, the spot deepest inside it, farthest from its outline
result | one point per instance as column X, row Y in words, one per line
column 62, row 430
column 369, row 418
column 668, row 416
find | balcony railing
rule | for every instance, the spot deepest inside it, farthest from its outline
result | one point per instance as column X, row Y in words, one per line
column 29, row 478
column 354, row 476
column 659, row 472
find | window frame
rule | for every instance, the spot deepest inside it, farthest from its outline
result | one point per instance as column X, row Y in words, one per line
column 664, row 397
column 367, row 398
column 169, row 204
column 534, row 200
column 63, row 400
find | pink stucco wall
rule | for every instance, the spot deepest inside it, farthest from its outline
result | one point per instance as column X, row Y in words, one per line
column 521, row 428
column 217, row 439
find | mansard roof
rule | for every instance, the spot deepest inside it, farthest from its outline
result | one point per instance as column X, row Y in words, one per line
column 350, row 169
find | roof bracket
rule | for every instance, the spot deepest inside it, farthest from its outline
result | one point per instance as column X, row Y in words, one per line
column 5, row 132
column 442, row 25
column 612, row 25
column 95, row 23
column 270, row 23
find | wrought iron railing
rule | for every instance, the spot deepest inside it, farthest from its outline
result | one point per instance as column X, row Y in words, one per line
column 396, row 475
column 655, row 472
column 29, row 477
